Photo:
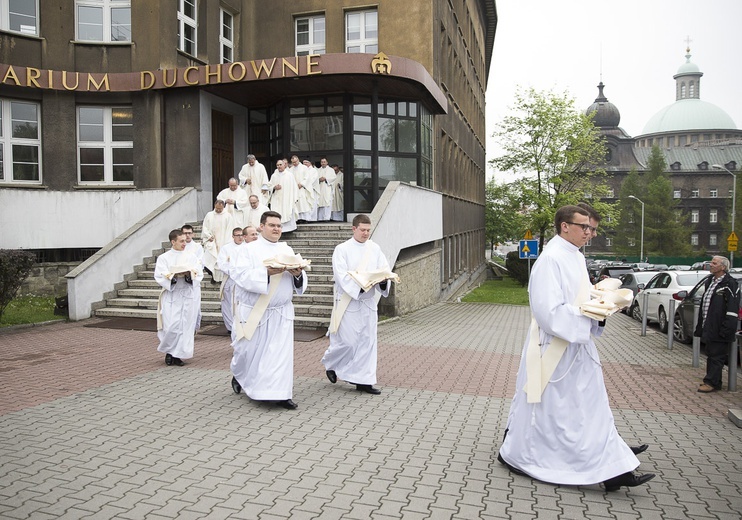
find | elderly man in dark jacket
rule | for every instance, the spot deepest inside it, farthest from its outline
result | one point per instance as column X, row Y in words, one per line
column 717, row 321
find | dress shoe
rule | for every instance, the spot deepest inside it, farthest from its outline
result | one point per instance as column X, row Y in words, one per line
column 288, row 404
column 236, row 388
column 627, row 479
column 511, row 468
column 706, row 389
column 168, row 359
column 639, row 449
column 332, row 376
column 369, row 389
column 178, row 362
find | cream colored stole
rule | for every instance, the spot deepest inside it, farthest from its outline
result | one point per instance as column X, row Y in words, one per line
column 247, row 329
column 539, row 369
column 339, row 307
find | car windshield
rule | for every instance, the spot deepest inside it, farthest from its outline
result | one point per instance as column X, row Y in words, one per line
column 689, row 279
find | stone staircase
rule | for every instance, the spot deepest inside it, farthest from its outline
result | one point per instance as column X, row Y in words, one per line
column 137, row 295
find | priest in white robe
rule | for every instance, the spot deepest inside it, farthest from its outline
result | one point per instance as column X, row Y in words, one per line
column 178, row 273
column 253, row 176
column 284, row 193
column 263, row 333
column 197, row 249
column 216, row 231
column 255, row 211
column 305, row 194
column 315, row 188
column 227, row 254
column 235, row 202
column 326, row 178
column 560, row 428
column 338, row 199
column 352, row 355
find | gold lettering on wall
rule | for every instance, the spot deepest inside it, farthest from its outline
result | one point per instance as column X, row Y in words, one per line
column 311, row 64
column 167, row 83
column 104, row 81
column 64, row 80
column 31, row 76
column 218, row 74
column 285, row 63
column 186, row 73
column 263, row 67
column 232, row 67
column 11, row 74
column 150, row 80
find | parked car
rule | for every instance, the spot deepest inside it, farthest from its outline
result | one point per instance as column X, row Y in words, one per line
column 659, row 291
column 635, row 281
column 701, row 266
column 679, row 268
column 641, row 266
column 614, row 271
column 684, row 325
column 660, row 267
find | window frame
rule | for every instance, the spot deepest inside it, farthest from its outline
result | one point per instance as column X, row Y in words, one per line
column 224, row 42
column 5, row 18
column 7, row 142
column 695, row 216
column 106, row 7
column 713, row 216
column 186, row 21
column 107, row 144
column 312, row 47
column 363, row 42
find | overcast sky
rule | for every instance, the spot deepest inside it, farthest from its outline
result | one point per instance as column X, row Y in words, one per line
column 638, row 45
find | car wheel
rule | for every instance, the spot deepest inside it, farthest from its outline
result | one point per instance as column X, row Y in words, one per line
column 635, row 312
column 679, row 331
column 662, row 319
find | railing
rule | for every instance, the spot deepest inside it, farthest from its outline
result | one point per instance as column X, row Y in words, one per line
column 99, row 273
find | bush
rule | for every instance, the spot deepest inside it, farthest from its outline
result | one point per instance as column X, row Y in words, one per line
column 518, row 268
column 15, row 266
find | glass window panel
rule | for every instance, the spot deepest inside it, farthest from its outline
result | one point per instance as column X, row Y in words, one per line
column 189, row 8
column 91, row 173
column 25, row 172
column 335, row 104
column 25, row 153
column 123, row 173
column 258, row 116
column 397, row 169
column 402, row 108
column 408, row 135
column 362, row 104
column 391, row 109
column 90, row 23
column 91, row 124
column 413, row 110
column 123, row 156
column 190, row 39
column 24, row 120
column 297, row 107
column 362, row 142
column 387, row 134
column 362, row 201
column 226, row 25
column 371, row 49
column 362, row 162
column 227, row 53
column 319, row 30
column 362, row 178
column 353, row 22
column 122, row 129
column 302, row 31
column 316, row 106
column 91, row 156
column 361, row 123
column 22, row 16
column 371, row 25
column 354, row 49
column 121, row 24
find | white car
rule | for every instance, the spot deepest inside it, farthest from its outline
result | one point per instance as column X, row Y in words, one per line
column 660, row 290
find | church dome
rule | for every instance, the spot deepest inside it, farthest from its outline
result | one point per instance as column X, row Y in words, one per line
column 688, row 68
column 689, row 114
column 606, row 113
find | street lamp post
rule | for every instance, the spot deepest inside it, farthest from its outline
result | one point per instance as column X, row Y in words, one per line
column 641, row 247
column 734, row 201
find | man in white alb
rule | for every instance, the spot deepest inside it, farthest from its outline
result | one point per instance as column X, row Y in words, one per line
column 178, row 273
column 254, row 212
column 216, row 231
column 305, row 192
column 560, row 428
column 326, row 177
column 263, row 330
column 338, row 205
column 226, row 256
column 235, row 202
column 352, row 353
column 197, row 249
column 314, row 176
column 253, row 176
column 284, row 194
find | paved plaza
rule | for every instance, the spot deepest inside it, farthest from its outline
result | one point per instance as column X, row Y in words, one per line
column 94, row 425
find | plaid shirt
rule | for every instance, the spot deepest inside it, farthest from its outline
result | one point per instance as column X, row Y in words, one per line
column 707, row 295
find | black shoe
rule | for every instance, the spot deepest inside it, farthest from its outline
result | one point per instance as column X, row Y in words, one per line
column 236, row 388
column 639, row 449
column 369, row 389
column 168, row 359
column 288, row 404
column 332, row 376
column 511, row 468
column 629, row 479
column 178, row 362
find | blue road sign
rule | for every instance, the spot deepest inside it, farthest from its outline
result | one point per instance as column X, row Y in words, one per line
column 527, row 249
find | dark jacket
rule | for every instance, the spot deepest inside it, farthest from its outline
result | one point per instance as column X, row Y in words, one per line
column 721, row 320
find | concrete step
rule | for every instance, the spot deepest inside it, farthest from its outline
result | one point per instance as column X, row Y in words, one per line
column 154, row 294
column 302, row 309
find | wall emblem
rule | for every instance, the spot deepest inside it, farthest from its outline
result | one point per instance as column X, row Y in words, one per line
column 381, row 64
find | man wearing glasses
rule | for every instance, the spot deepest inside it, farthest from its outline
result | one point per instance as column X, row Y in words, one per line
column 197, row 250
column 226, row 256
column 560, row 428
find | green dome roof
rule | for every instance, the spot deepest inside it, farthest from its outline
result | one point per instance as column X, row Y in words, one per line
column 689, row 114
column 688, row 68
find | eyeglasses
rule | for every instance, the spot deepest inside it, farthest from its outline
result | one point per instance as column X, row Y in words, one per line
column 237, row 235
column 585, row 227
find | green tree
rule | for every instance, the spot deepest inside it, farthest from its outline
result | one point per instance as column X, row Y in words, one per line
column 628, row 228
column 504, row 216
column 556, row 149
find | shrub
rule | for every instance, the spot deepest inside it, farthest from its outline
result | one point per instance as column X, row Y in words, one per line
column 518, row 268
column 15, row 266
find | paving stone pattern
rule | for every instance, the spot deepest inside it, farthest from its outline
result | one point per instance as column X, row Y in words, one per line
column 94, row 425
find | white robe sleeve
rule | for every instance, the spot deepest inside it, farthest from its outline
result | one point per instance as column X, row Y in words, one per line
column 249, row 273
column 161, row 269
column 342, row 278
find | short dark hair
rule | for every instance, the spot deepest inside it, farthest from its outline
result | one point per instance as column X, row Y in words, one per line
column 174, row 234
column 219, row 202
column 590, row 211
column 237, row 229
column 186, row 226
column 361, row 218
column 267, row 214
column 566, row 214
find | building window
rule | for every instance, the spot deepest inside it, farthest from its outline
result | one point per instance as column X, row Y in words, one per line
column 676, row 194
column 694, row 216
column 20, row 144
column 713, row 216
column 19, row 16
column 187, row 26
column 713, row 193
column 362, row 32
column 226, row 38
column 608, row 241
column 694, row 239
column 712, row 239
column 103, row 20
column 310, row 35
column 675, row 166
column 632, row 242
column 694, row 194
column 611, row 194
column 105, row 147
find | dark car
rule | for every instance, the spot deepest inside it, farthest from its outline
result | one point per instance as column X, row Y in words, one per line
column 684, row 325
column 613, row 271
